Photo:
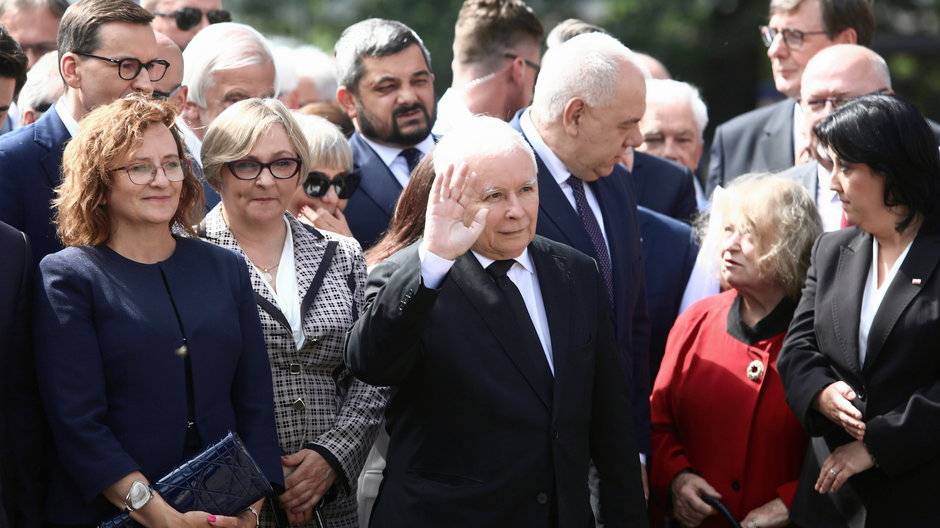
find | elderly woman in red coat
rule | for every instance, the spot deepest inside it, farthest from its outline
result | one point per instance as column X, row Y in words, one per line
column 720, row 424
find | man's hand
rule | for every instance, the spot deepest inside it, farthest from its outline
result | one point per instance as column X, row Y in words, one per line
column 445, row 232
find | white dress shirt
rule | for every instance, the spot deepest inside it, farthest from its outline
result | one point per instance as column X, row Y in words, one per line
column 827, row 201
column 522, row 274
column 64, row 110
column 395, row 163
column 872, row 296
column 287, row 295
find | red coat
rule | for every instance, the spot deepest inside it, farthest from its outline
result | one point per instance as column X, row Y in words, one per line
column 708, row 415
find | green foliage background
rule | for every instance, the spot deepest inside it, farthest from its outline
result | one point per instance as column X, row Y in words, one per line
column 713, row 44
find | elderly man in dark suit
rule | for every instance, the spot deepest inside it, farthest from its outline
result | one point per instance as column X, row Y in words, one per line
column 770, row 138
column 585, row 113
column 106, row 50
column 387, row 89
column 21, row 432
column 502, row 357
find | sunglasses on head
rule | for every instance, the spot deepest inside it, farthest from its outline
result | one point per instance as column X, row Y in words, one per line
column 189, row 17
column 317, row 184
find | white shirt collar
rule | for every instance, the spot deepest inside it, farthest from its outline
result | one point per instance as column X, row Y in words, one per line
column 388, row 154
column 63, row 109
column 524, row 260
column 555, row 166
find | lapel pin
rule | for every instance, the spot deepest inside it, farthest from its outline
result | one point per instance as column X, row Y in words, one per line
column 916, row 282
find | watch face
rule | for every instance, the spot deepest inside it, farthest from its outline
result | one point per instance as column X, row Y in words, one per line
column 138, row 496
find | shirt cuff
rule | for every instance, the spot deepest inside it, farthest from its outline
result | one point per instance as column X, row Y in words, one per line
column 642, row 459
column 433, row 268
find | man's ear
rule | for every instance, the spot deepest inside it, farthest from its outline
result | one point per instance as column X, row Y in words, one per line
column 572, row 115
column 71, row 72
column 191, row 115
column 347, row 100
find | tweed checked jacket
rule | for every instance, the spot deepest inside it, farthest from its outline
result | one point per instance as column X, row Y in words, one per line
column 340, row 415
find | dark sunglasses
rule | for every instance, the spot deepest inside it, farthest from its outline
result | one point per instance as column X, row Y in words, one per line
column 317, row 184
column 189, row 17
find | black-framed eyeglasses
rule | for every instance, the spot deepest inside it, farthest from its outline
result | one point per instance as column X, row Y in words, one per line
column 818, row 105
column 189, row 17
column 144, row 173
column 157, row 94
column 534, row 66
column 129, row 68
column 317, row 184
column 791, row 37
column 249, row 169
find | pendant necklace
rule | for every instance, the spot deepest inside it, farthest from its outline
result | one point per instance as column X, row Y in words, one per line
column 266, row 272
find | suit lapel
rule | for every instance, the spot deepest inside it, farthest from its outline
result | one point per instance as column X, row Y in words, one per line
column 483, row 294
column 851, row 274
column 552, row 275
column 51, row 134
column 774, row 151
column 918, row 266
column 378, row 182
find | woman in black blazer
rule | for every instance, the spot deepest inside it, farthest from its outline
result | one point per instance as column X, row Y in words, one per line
column 860, row 363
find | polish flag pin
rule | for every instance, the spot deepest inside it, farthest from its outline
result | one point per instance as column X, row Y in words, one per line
column 916, row 282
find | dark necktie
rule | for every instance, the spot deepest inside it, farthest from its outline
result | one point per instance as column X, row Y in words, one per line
column 594, row 233
column 412, row 157
column 498, row 270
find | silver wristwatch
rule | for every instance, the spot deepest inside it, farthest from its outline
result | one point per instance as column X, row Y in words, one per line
column 137, row 497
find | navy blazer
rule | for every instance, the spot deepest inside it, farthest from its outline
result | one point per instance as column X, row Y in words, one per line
column 663, row 186
column 21, row 423
column 30, row 169
column 669, row 252
column 756, row 141
column 481, row 433
column 558, row 220
column 114, row 389
column 370, row 208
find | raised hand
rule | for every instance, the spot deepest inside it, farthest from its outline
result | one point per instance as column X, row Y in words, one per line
column 446, row 232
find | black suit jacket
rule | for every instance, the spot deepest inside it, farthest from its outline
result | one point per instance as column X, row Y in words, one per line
column 480, row 432
column 30, row 168
column 663, row 186
column 21, row 423
column 759, row 140
column 898, row 386
column 370, row 208
column 558, row 220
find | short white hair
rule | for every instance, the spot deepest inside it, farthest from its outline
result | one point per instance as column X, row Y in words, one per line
column 668, row 91
column 479, row 136
column 313, row 63
column 586, row 66
column 43, row 84
column 328, row 145
column 285, row 63
column 223, row 46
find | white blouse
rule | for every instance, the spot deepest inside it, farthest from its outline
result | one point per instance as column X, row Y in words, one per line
column 872, row 296
column 287, row 295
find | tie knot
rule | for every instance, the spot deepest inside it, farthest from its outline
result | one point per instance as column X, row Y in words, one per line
column 575, row 183
column 412, row 157
column 499, row 268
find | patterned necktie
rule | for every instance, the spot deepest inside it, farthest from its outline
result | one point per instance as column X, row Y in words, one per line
column 594, row 233
column 412, row 157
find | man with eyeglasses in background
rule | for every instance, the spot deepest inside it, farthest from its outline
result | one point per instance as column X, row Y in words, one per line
column 182, row 19
column 497, row 50
column 106, row 50
column 771, row 138
column 833, row 77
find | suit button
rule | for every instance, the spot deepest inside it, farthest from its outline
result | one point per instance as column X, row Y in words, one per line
column 554, row 434
column 736, row 486
column 542, row 498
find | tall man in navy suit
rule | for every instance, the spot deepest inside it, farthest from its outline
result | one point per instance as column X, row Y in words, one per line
column 106, row 51
column 770, row 138
column 588, row 102
column 387, row 88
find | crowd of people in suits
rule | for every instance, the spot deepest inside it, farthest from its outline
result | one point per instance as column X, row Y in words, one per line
column 523, row 304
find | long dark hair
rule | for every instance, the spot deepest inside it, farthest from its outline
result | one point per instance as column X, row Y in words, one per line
column 890, row 135
column 407, row 223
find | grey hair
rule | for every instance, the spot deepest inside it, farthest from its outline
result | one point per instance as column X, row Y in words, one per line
column 587, row 66
column 313, row 63
column 668, row 91
column 328, row 145
column 479, row 136
column 43, row 84
column 285, row 63
column 569, row 28
column 374, row 37
column 57, row 7
column 243, row 46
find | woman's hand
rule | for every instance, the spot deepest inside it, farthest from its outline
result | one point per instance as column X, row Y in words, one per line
column 311, row 478
column 835, row 403
column 847, row 460
column 687, row 504
column 770, row 515
column 323, row 219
